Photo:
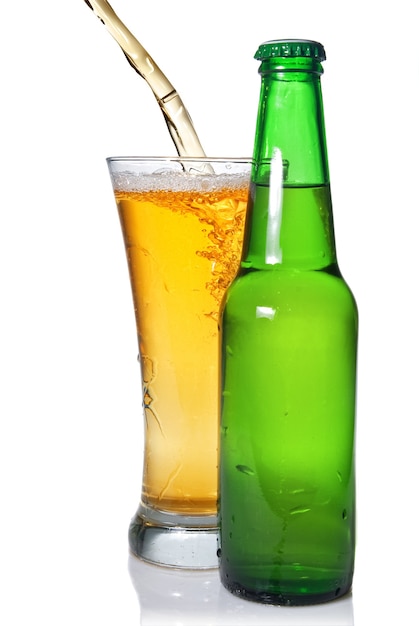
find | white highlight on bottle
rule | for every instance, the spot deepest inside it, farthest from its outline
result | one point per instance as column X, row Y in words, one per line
column 265, row 311
column 273, row 252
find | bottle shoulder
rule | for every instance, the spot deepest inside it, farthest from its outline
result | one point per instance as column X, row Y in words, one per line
column 288, row 290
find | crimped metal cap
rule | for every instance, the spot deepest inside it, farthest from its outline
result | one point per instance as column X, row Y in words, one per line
column 291, row 48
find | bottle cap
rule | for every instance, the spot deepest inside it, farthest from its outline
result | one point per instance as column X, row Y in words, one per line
column 291, row 48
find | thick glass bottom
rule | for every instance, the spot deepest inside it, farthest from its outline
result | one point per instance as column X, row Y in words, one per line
column 175, row 541
column 289, row 589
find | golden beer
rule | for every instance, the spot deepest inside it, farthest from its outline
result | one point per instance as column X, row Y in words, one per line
column 183, row 233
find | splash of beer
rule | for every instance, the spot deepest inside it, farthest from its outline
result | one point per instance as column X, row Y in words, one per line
column 174, row 111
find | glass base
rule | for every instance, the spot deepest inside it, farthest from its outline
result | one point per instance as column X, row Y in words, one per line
column 175, row 541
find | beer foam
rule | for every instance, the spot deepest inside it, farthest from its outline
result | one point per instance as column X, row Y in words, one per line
column 169, row 180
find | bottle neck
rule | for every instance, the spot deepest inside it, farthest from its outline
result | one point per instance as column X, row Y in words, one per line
column 291, row 122
column 290, row 220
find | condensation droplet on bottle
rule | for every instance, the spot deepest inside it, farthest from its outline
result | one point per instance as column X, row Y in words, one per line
column 299, row 509
column 245, row 470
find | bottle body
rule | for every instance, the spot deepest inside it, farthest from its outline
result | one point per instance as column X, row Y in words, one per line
column 287, row 432
column 289, row 342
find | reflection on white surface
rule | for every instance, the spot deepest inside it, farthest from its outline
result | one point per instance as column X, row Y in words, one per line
column 170, row 597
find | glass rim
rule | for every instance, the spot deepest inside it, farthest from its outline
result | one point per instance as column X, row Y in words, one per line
column 178, row 159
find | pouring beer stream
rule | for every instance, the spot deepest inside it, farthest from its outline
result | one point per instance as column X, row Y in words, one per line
column 174, row 111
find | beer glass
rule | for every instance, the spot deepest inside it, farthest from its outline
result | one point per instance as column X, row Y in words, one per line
column 182, row 222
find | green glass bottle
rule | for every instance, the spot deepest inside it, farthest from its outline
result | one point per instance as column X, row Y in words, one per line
column 289, row 343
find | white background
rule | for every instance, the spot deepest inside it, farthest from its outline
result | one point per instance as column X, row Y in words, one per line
column 71, row 426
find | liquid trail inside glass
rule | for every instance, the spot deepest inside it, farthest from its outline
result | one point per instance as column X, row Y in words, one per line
column 174, row 111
